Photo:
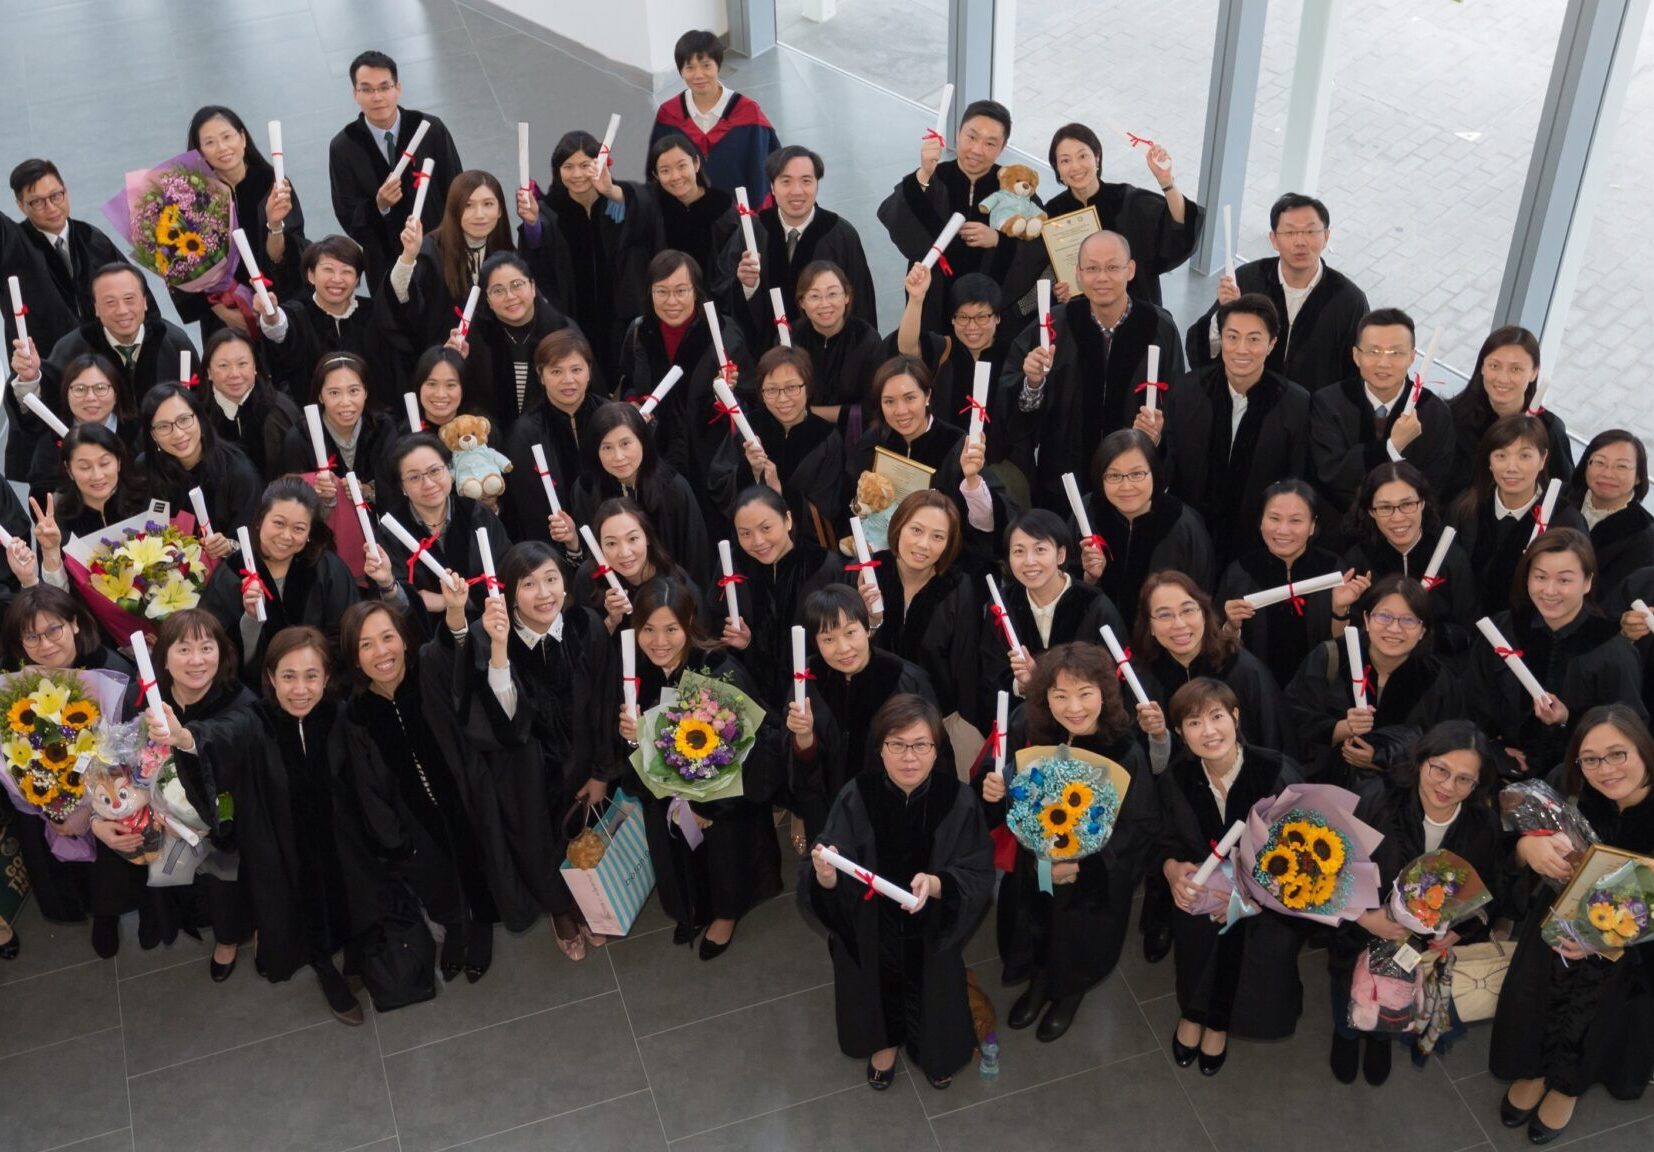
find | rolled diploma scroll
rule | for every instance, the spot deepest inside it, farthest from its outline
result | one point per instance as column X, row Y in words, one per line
column 1297, row 588
column 470, row 310
column 727, row 399
column 864, row 557
column 744, row 213
column 318, row 444
column 485, row 553
column 942, row 113
column 653, row 400
column 198, row 501
column 146, row 677
column 628, row 669
column 1002, row 722
column 6, row 538
column 717, row 335
column 1439, row 556
column 783, row 330
column 1424, row 366
column 1215, row 858
column 17, row 309
column 880, row 885
column 979, row 394
column 1642, row 610
column 1004, row 616
column 426, row 167
column 1119, row 655
column 1358, row 676
column 801, row 665
column 406, row 539
column 411, row 150
column 278, row 159
column 545, row 478
column 731, row 600
column 524, row 165
column 1538, row 404
column 597, row 558
column 184, row 367
column 250, row 564
column 1044, row 318
column 1151, row 394
column 33, row 402
column 1547, row 506
column 605, row 151
column 949, row 231
column 1518, row 667
column 416, row 423
column 362, row 516
column 265, row 304
column 1076, row 505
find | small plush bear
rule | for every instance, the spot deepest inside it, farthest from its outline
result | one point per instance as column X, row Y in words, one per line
column 478, row 469
column 1012, row 210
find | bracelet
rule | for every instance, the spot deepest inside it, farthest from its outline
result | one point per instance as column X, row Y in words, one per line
column 276, row 229
column 1168, row 187
column 1342, row 619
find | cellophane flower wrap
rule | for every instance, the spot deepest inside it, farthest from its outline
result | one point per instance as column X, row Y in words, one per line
column 1616, row 912
column 1303, row 853
column 55, row 723
column 1062, row 802
column 178, row 217
column 695, row 746
column 1534, row 808
column 1428, row 897
column 135, row 574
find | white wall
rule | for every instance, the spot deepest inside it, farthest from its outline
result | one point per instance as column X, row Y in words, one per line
column 636, row 33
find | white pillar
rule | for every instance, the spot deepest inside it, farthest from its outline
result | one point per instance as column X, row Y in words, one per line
column 1306, row 117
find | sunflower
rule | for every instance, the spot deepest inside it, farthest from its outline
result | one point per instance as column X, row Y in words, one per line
column 190, row 244
column 1326, row 848
column 56, row 755
column 80, row 714
column 1056, row 820
column 1295, row 892
column 21, row 715
column 39, row 790
column 162, row 264
column 1279, row 865
column 1077, row 797
column 1321, row 890
column 696, row 739
column 169, row 217
column 1626, row 924
column 1064, row 844
column 1296, row 833
column 1602, row 915
column 166, row 234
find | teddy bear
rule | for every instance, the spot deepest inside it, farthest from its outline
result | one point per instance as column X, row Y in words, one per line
column 478, row 469
column 1012, row 210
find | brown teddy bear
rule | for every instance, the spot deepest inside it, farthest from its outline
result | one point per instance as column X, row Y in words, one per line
column 1013, row 210
column 479, row 471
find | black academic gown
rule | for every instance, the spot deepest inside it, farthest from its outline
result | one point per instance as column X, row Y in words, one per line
column 51, row 314
column 356, row 167
column 1280, row 634
column 232, row 495
column 220, row 902
column 1495, row 546
column 770, row 598
column 559, row 435
column 1314, row 350
column 586, row 247
column 376, row 437
column 315, row 593
column 1159, row 244
column 45, row 470
column 1471, row 419
column 259, row 427
column 16, row 521
column 313, row 333
column 1244, row 980
column 809, row 461
column 1624, row 543
column 1223, row 477
column 1265, row 722
column 1090, row 391
column 1169, row 536
column 899, row 979
column 456, row 549
column 1345, row 442
column 953, row 378
column 286, row 277
column 673, row 507
column 89, row 250
column 1454, row 597
column 828, row 236
column 1080, row 614
column 938, row 631
column 496, row 349
column 843, row 363
column 663, row 221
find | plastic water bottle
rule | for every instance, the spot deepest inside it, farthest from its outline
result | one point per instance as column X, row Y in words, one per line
column 989, row 1067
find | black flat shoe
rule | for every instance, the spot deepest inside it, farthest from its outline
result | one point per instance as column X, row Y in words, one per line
column 451, row 970
column 1375, row 1064
column 940, row 1083
column 1027, row 1007
column 685, row 933
column 1209, row 1065
column 1183, row 1054
column 10, row 949
column 1058, row 1017
column 711, row 951
column 220, row 972
column 1540, row 1133
column 106, row 936
column 1513, row 1117
column 1346, row 1058
column 1157, row 943
column 879, row 1081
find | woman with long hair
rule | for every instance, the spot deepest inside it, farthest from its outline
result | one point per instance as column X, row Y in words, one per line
column 1504, row 383
column 182, row 452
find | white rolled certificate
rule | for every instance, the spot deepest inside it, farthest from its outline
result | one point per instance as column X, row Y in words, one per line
column 1002, row 616
column 606, row 150
column 878, row 883
column 409, row 152
column 1537, row 404
column 361, row 506
column 743, row 210
column 470, row 310
column 17, row 309
column 525, row 167
column 422, row 185
column 1151, row 394
column 6, row 538
column 545, row 478
column 949, row 231
column 1076, row 505
column 727, row 399
column 587, row 535
column 653, row 400
column 1417, row 388
column 33, row 402
column 198, row 501
column 1358, row 670
column 265, row 304
column 249, row 567
column 940, row 131
column 1043, row 287
column 865, row 559
column 1215, row 858
column 801, row 666
column 318, row 442
column 979, row 397
column 1228, row 242
column 1512, row 658
column 1297, row 588
column 416, row 422
column 783, row 329
column 717, row 334
column 485, row 553
column 1432, row 570
column 146, row 682
column 732, row 602
column 406, row 539
column 628, row 669
column 1002, row 730
column 1122, row 659
column 184, row 368
column 1642, row 610
column 278, row 159
column 1547, row 507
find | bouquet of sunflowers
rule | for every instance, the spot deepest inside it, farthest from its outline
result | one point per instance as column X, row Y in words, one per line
column 56, row 723
column 1303, row 853
column 1613, row 914
column 140, row 571
column 694, row 746
column 1063, row 804
column 178, row 216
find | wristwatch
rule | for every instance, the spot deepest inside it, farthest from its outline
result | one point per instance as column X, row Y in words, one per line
column 277, row 228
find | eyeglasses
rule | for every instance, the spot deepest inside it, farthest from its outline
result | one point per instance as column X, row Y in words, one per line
column 1115, row 479
column 499, row 291
column 1167, row 615
column 682, row 293
column 1586, row 763
column 1439, row 774
column 1300, row 233
column 1619, row 468
column 1399, row 508
column 52, row 631
column 1385, row 619
column 1106, row 269
column 831, row 296
column 974, row 319
column 82, row 391
column 1387, row 353
column 901, row 749
column 781, row 391
column 376, row 89
column 430, row 476
column 167, row 427
column 36, row 203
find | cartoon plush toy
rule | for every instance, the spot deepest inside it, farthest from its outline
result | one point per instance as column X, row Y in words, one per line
column 1012, row 210
column 117, row 797
column 478, row 469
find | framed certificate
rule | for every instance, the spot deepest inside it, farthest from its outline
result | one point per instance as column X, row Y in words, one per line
column 906, row 475
column 1063, row 236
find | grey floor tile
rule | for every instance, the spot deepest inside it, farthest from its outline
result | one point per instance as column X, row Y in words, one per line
column 132, row 960
column 852, row 1120
column 629, row 1122
column 57, row 1006
column 331, row 1094
column 46, row 947
column 1638, row 1135
column 529, row 975
column 119, row 1140
column 757, row 1060
column 383, row 21
column 514, row 1073
column 1613, row 1123
column 46, row 1099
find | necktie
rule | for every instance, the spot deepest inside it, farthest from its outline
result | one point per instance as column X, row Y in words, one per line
column 63, row 254
column 792, row 242
column 128, row 353
column 1381, row 412
column 390, row 148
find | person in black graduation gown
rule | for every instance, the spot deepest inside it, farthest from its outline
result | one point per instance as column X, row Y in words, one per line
column 1162, row 229
column 300, row 579
column 850, row 679
column 1567, row 1019
column 1395, row 526
column 1575, row 652
column 564, row 369
column 269, row 215
column 1407, row 688
column 978, row 337
column 325, row 315
column 181, row 452
column 898, row 975
column 1047, row 606
column 919, row 206
column 676, row 207
column 1069, row 939
column 737, row 863
column 1234, row 428
column 1608, row 492
column 93, row 391
column 1243, row 979
column 1286, row 550
column 100, row 486
column 799, row 454
column 243, row 407
column 356, row 435
column 844, row 348
column 1060, row 401
column 50, row 316
column 1501, row 511
column 636, row 555
column 1440, row 798
column 499, row 348
column 369, row 205
column 619, row 458
column 1320, row 308
column 438, row 388
column 1138, row 526
column 1361, row 421
column 1504, row 383
column 793, row 232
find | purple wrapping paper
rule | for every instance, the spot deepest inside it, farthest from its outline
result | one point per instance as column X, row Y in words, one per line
column 1337, row 807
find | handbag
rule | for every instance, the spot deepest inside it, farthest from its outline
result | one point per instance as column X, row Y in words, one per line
column 1478, row 975
column 399, row 956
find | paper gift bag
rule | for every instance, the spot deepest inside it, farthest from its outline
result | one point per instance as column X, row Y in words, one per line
column 612, row 893
column 14, row 877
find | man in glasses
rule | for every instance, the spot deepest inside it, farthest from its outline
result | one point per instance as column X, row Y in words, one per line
column 1319, row 307
column 371, row 206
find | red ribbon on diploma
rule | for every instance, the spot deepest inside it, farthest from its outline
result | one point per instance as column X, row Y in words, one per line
column 781, row 322
column 493, row 582
column 249, row 579
column 1136, row 139
column 866, row 878
column 1366, row 681
column 1431, row 583
column 1294, row 599
column 144, row 686
column 419, row 174
column 1097, row 539
column 1120, row 665
column 193, row 382
column 424, row 546
column 741, row 210
column 804, row 675
column 933, row 134
column 732, row 578
column 1157, row 385
column 861, row 566
column 23, row 311
column 464, row 324
column 1507, row 653
column 1539, row 518
column 601, row 571
column 721, row 410
column 972, row 406
column 605, row 155
column 1002, row 618
column 1050, row 329
column 996, row 739
column 942, row 261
